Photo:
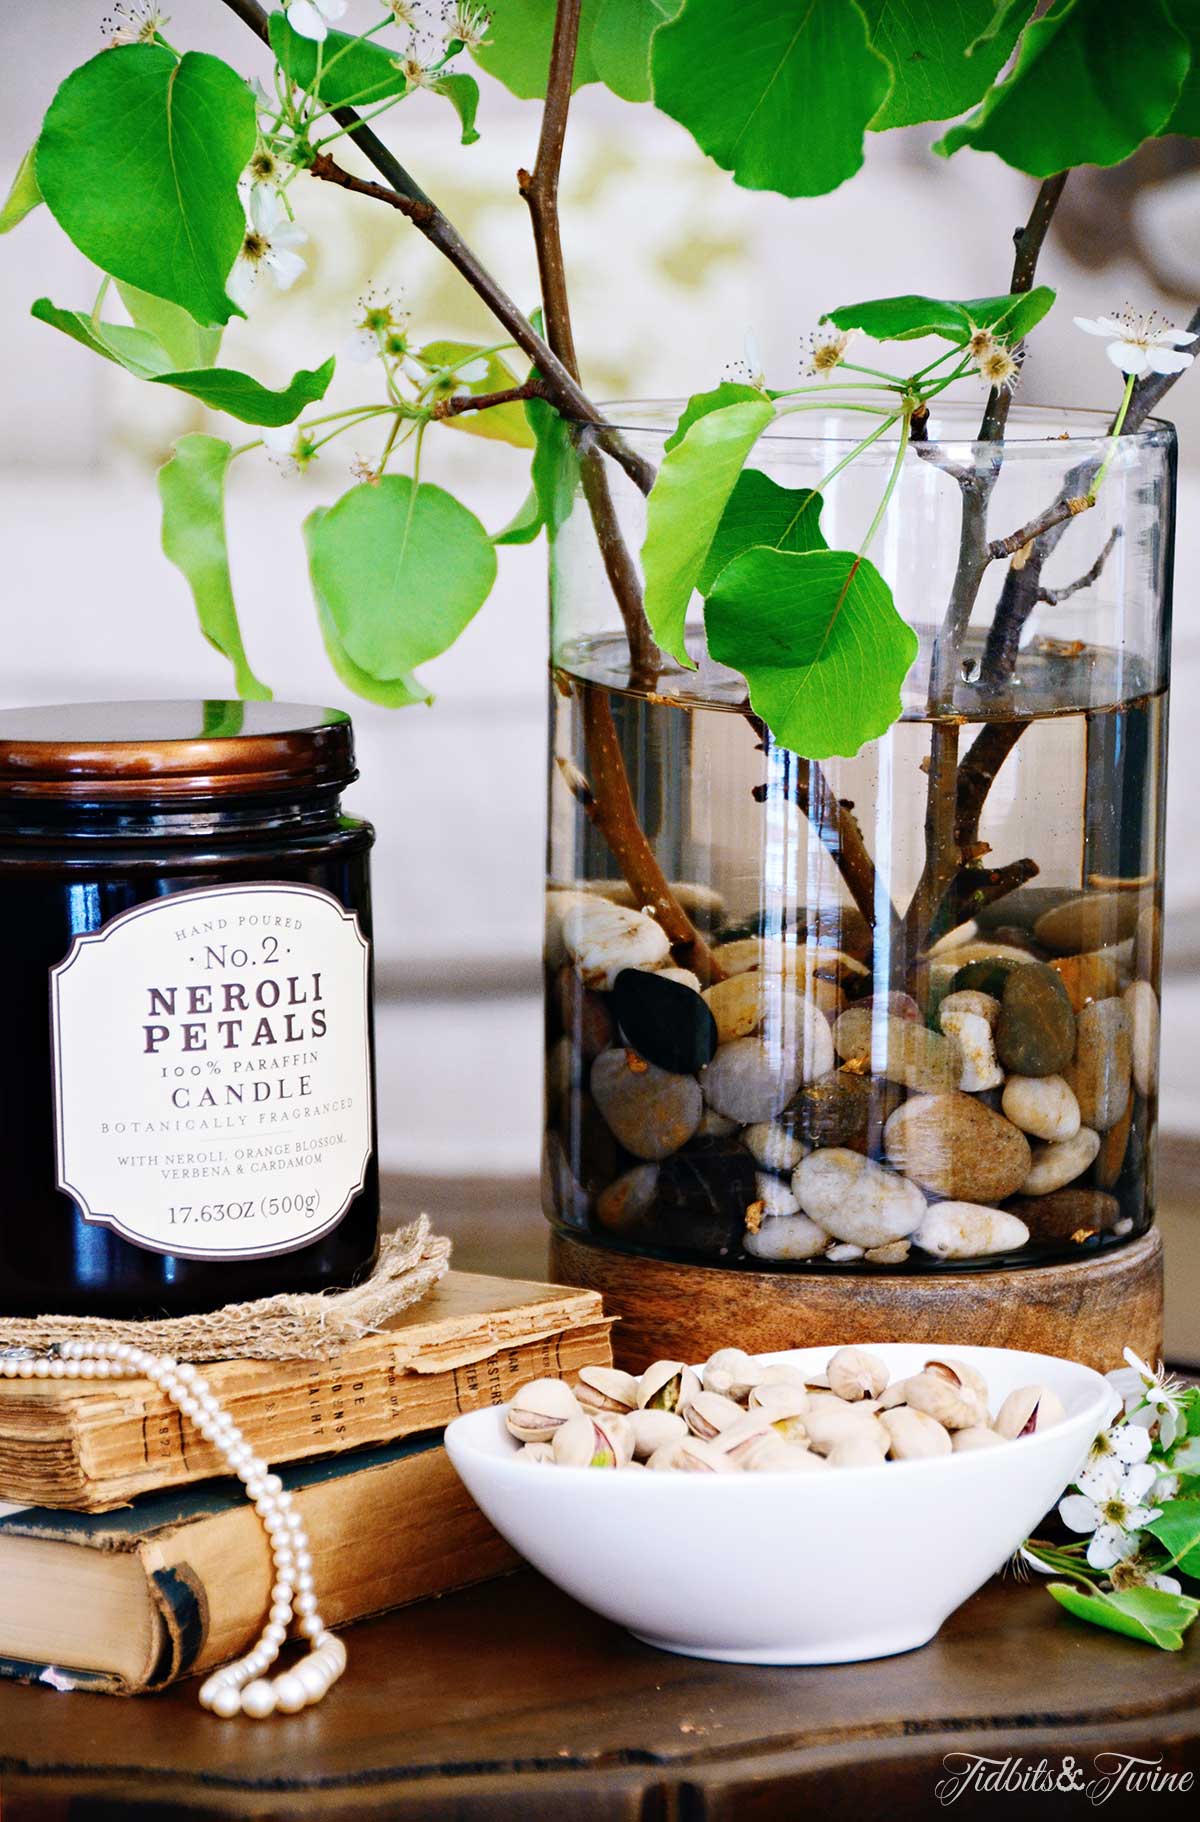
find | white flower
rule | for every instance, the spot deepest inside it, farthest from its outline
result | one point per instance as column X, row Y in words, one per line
column 134, row 22
column 827, row 349
column 289, row 446
column 1141, row 344
column 1115, row 1517
column 270, row 245
column 1134, row 1572
column 467, row 22
column 312, row 18
column 1151, row 1397
column 1111, row 1455
column 1000, row 368
column 749, row 370
column 380, row 327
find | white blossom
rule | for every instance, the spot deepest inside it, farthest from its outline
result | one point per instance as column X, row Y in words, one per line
column 749, row 370
column 270, row 245
column 827, row 349
column 312, row 18
column 289, row 446
column 134, row 22
column 1115, row 1518
column 1151, row 1397
column 1112, row 1454
column 467, row 22
column 1141, row 344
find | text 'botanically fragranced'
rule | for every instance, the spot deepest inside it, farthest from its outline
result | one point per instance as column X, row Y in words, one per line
column 212, row 1070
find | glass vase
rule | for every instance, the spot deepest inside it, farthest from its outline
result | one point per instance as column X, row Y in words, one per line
column 891, row 1012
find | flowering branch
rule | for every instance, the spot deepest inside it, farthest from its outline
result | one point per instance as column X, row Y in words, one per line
column 484, row 401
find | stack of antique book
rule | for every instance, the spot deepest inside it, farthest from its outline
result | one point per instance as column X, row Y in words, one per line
column 126, row 1563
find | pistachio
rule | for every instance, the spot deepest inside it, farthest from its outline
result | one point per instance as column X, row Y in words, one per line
column 914, row 1435
column 651, row 1430
column 942, row 1395
column 1029, row 1408
column 959, row 1372
column 535, row 1452
column 894, row 1396
column 581, row 1443
column 691, row 1455
column 539, row 1409
column 782, row 1372
column 708, row 1413
column 741, row 1436
column 772, row 1455
column 830, row 1421
column 731, row 1370
column 854, row 1373
column 667, row 1385
column 779, row 1399
column 975, row 1436
column 606, row 1389
column 857, row 1452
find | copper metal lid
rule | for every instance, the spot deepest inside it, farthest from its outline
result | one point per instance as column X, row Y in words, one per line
column 93, row 752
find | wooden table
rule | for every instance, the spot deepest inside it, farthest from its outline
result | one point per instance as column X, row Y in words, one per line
column 509, row 1701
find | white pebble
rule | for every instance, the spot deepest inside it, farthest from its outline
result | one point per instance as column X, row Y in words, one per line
column 602, row 938
column 969, row 1230
column 1044, row 1106
column 1141, row 1007
column 1056, row 1165
column 772, row 1146
column 855, row 1199
column 774, row 1194
column 683, row 976
column 787, row 1237
column 969, row 1000
column 980, row 1068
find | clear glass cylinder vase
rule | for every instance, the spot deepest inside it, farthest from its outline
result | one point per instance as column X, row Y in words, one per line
column 891, row 1012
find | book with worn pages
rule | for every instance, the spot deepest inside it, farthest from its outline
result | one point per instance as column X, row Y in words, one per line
column 93, row 1445
column 179, row 1582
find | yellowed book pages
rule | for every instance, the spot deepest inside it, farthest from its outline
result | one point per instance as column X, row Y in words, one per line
column 94, row 1445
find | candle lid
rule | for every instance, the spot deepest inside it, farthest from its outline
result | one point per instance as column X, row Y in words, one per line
column 92, row 752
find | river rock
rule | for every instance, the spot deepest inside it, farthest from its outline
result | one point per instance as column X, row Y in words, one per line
column 650, row 1111
column 1055, row 1165
column 772, row 1196
column 966, row 1230
column 1141, row 1007
column 702, row 903
column 559, row 901
column 752, row 1079
column 786, row 1237
column 898, row 1048
column 683, row 976
column 1090, row 921
column 1146, row 960
column 1035, row 1034
column 832, row 926
column 969, row 1019
column 1095, row 975
column 969, row 1000
column 623, row 1207
column 592, row 1152
column 954, row 1146
column 900, row 1005
column 987, row 975
column 664, row 1021
column 1113, row 1146
column 602, row 938
column 844, row 1108
column 856, row 1200
column 1024, row 906
column 1101, row 1072
column 1043, row 1106
column 773, row 1145
column 585, row 1016
column 1067, row 1214
column 714, row 1125
column 703, row 1194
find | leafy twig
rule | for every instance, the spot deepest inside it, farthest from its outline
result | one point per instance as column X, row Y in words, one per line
column 484, row 401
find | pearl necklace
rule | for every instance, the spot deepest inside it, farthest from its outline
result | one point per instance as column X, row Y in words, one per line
column 243, row 1686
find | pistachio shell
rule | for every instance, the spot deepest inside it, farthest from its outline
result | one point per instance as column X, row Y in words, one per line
column 855, row 1373
column 975, row 1436
column 779, row 1399
column 691, row 1456
column 535, row 1452
column 1029, row 1408
column 857, row 1452
column 772, row 1455
column 652, row 1430
column 579, row 1444
column 965, row 1374
column 943, row 1399
column 914, row 1435
column 740, row 1436
column 606, row 1389
column 741, row 1373
column 667, row 1385
column 708, row 1413
column 538, row 1409
column 830, row 1421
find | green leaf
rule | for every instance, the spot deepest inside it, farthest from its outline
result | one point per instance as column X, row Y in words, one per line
column 684, row 509
column 503, row 423
column 554, row 470
column 621, row 44
column 364, row 71
column 1146, row 1614
column 184, row 342
column 942, row 57
column 525, row 524
column 1177, row 1527
column 903, row 319
column 139, row 160
column 23, row 194
column 517, row 51
column 761, row 512
column 399, row 693
column 780, row 92
column 221, row 387
column 191, row 486
column 462, row 92
column 728, row 392
column 1085, row 89
column 402, row 569
column 818, row 639
column 1185, row 116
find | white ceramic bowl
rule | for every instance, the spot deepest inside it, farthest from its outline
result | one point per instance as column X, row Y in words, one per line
column 790, row 1568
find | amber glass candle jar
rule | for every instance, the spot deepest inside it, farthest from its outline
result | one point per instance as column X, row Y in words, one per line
column 187, row 1097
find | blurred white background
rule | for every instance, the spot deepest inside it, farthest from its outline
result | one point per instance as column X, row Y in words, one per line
column 669, row 264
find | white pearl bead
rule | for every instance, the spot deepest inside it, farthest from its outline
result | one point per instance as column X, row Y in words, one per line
column 304, row 1581
column 305, row 1602
column 312, row 1676
column 331, row 1646
column 58, row 1369
column 312, row 1626
column 281, row 1613
column 282, row 1591
column 273, row 1634
column 296, row 1522
column 272, row 1483
column 258, row 1700
column 226, row 1702
column 290, row 1693
column 303, row 1559
column 186, row 1370
column 41, row 1369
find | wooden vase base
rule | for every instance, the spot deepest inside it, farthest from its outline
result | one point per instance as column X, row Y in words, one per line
column 1087, row 1309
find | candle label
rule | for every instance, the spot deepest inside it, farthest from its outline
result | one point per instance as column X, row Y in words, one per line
column 212, row 1065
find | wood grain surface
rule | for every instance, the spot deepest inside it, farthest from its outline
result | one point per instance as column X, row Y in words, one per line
column 1088, row 1309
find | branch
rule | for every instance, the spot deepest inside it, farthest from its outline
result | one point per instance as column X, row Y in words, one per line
column 1058, row 514
column 835, row 826
column 975, row 887
column 1028, row 244
column 483, row 401
column 1052, row 596
column 977, row 774
column 401, row 191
